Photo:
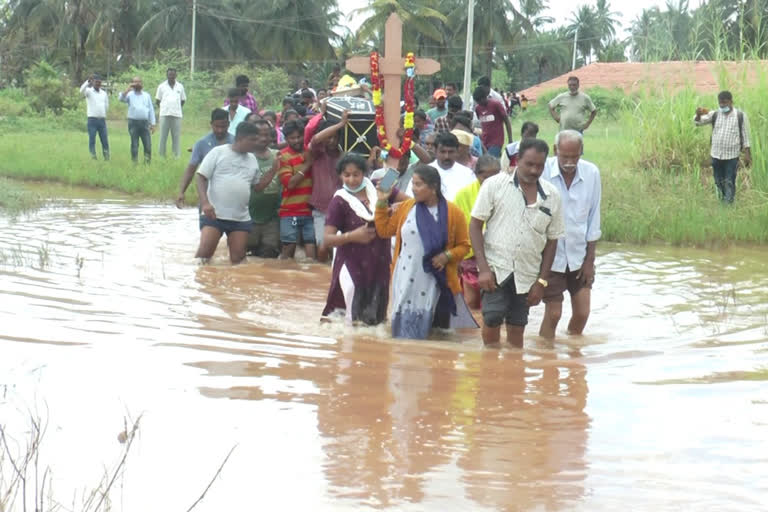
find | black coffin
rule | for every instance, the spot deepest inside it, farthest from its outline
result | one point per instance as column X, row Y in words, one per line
column 359, row 136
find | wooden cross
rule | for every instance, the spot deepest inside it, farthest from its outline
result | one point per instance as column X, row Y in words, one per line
column 391, row 67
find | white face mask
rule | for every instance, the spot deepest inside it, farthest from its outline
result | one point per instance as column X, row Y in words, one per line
column 725, row 110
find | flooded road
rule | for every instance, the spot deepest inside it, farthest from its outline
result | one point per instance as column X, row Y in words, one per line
column 105, row 313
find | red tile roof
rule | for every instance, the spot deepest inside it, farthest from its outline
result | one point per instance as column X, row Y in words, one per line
column 703, row 76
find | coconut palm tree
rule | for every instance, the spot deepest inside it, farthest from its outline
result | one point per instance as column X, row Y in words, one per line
column 606, row 21
column 291, row 31
column 498, row 28
column 532, row 10
column 584, row 19
column 423, row 23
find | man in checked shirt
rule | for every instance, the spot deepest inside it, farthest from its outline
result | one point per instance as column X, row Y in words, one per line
column 730, row 136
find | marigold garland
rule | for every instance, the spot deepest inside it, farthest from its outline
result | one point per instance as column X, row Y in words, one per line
column 405, row 144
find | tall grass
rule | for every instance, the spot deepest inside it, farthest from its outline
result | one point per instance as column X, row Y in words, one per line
column 666, row 138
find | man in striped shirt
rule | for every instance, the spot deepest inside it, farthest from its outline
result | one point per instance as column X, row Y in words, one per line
column 730, row 136
column 295, row 174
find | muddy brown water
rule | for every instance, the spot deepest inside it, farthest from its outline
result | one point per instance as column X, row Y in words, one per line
column 663, row 405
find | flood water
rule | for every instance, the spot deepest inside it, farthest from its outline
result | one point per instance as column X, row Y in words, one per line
column 105, row 313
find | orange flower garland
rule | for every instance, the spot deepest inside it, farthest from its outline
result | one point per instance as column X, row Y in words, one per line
column 405, row 144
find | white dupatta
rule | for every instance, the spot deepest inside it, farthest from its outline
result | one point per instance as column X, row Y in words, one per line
column 356, row 205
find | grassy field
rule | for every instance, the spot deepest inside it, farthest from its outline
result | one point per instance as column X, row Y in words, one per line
column 656, row 183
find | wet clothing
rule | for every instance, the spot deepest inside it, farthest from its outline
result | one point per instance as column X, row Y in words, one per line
column 264, row 239
column 416, row 293
column 225, row 226
column 264, row 204
column 581, row 211
column 293, row 228
column 505, row 305
column 231, row 176
column 295, row 201
column 559, row 282
column 360, row 279
column 516, row 232
column 325, row 180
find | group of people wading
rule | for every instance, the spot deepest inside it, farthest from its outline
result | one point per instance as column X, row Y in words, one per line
column 422, row 245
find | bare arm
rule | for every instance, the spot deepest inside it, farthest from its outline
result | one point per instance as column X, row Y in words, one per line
column 587, row 271
column 536, row 292
column 298, row 177
column 591, row 118
column 555, row 115
column 84, row 87
column 508, row 124
column 422, row 153
column 267, row 177
column 202, row 193
column 362, row 235
column 486, row 279
column 329, row 132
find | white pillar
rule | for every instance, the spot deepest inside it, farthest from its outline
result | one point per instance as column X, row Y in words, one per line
column 468, row 53
column 575, row 42
column 194, row 29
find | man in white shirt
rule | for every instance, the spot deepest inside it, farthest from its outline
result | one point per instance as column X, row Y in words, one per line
column 97, row 103
column 454, row 176
column 573, row 269
column 170, row 98
column 224, row 183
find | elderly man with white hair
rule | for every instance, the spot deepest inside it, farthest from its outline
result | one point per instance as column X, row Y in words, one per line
column 578, row 182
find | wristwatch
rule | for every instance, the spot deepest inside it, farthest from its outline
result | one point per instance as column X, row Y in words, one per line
column 543, row 282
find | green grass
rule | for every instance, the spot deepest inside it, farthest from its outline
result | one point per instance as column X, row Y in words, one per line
column 657, row 186
column 62, row 156
column 15, row 200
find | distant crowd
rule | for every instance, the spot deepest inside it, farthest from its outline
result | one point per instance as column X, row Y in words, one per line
column 467, row 220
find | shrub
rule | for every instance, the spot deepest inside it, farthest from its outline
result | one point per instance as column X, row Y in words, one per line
column 47, row 89
column 13, row 102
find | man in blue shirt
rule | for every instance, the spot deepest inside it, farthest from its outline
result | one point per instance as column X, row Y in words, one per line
column 141, row 118
column 219, row 135
column 573, row 269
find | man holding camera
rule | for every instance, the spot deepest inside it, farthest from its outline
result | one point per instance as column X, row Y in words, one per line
column 141, row 118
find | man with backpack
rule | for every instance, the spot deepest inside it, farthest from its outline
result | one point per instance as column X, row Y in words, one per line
column 730, row 136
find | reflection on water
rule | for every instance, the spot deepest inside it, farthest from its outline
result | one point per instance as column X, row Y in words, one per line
column 104, row 310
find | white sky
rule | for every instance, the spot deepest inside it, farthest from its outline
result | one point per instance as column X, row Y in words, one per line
column 559, row 9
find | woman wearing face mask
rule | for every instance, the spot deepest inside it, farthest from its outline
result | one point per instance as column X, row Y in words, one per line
column 360, row 280
column 432, row 239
